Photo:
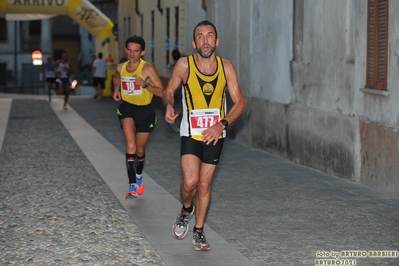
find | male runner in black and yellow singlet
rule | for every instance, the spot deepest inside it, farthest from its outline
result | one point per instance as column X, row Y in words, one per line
column 205, row 78
column 135, row 83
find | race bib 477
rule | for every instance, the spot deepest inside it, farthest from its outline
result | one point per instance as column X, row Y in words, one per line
column 202, row 119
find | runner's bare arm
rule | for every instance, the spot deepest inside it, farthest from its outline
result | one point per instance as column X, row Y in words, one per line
column 151, row 76
column 235, row 93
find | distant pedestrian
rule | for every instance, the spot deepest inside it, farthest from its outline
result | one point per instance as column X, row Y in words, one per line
column 99, row 69
column 135, row 82
column 63, row 71
column 49, row 74
column 175, row 126
column 175, row 56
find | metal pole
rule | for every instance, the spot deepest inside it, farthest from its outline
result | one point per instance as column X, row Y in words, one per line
column 15, row 52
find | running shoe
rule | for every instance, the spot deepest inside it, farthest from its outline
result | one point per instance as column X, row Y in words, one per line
column 132, row 193
column 200, row 242
column 180, row 226
column 140, row 186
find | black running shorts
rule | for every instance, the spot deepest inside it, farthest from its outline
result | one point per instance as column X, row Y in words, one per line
column 207, row 153
column 100, row 81
column 144, row 117
column 51, row 80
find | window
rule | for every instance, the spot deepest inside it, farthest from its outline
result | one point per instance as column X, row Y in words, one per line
column 3, row 32
column 35, row 27
column 377, row 44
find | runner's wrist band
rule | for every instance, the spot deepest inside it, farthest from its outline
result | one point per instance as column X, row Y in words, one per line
column 225, row 123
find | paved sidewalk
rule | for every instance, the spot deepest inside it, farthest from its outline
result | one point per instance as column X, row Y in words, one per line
column 265, row 210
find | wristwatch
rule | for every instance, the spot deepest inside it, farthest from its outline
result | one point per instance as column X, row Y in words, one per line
column 225, row 123
column 145, row 85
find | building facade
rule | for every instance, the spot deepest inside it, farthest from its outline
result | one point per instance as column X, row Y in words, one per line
column 310, row 72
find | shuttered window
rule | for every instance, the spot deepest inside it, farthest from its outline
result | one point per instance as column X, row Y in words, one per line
column 377, row 44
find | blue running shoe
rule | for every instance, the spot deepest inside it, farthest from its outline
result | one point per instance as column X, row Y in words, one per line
column 132, row 193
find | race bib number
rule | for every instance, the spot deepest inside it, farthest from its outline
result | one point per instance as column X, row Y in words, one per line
column 202, row 119
column 129, row 86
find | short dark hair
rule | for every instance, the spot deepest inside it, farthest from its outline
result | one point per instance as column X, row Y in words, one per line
column 136, row 39
column 205, row 23
column 176, row 54
column 100, row 55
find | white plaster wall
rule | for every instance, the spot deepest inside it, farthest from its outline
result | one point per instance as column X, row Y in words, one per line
column 325, row 128
column 193, row 13
column 271, row 51
column 327, row 76
column 256, row 36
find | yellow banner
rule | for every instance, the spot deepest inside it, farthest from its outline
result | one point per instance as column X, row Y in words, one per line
column 59, row 7
column 94, row 21
column 82, row 11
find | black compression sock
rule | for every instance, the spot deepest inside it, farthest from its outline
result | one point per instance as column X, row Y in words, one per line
column 199, row 230
column 130, row 158
column 140, row 164
column 189, row 209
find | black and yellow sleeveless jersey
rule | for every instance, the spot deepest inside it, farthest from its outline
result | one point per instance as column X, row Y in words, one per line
column 204, row 100
column 130, row 91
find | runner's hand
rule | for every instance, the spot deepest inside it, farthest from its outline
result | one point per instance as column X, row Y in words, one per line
column 170, row 115
column 117, row 96
column 212, row 134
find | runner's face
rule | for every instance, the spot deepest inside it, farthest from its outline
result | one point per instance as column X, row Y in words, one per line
column 134, row 52
column 205, row 41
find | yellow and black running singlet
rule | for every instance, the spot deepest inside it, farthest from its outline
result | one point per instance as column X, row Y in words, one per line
column 130, row 91
column 204, row 100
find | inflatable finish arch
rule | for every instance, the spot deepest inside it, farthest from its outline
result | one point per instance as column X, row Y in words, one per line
column 82, row 11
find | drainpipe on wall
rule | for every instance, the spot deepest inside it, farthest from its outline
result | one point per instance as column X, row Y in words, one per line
column 159, row 7
column 137, row 8
column 203, row 5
